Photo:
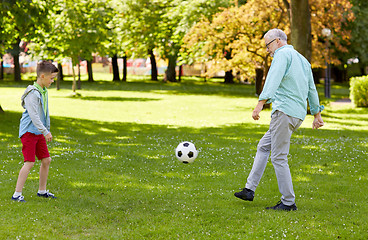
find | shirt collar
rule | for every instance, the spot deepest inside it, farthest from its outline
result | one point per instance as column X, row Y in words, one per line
column 285, row 46
column 42, row 90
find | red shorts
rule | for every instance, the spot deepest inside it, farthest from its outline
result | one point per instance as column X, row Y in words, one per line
column 34, row 145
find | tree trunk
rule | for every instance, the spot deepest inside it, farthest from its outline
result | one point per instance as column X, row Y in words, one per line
column 362, row 69
column 229, row 77
column 1, row 68
column 115, row 68
column 180, row 72
column 60, row 76
column 15, row 51
column 74, row 81
column 60, row 73
column 125, row 64
column 79, row 77
column 259, row 80
column 1, row 109
column 171, row 73
column 154, row 72
column 17, row 76
column 90, row 71
column 317, row 73
column 300, row 18
column 338, row 74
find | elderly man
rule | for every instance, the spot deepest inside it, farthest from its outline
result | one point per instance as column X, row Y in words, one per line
column 289, row 84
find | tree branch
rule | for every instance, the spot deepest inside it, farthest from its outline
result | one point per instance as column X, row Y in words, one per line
column 287, row 5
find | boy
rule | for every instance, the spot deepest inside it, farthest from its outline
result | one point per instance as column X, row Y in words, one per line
column 34, row 130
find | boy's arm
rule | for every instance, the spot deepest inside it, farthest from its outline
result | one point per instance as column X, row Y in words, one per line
column 31, row 103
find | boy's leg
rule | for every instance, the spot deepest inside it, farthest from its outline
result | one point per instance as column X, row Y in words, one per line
column 23, row 174
column 44, row 172
column 29, row 142
column 43, row 154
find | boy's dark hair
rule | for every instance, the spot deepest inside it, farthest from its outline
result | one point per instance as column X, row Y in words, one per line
column 46, row 67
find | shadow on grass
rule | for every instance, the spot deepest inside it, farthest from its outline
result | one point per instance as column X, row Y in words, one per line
column 221, row 149
column 190, row 87
column 182, row 88
column 115, row 99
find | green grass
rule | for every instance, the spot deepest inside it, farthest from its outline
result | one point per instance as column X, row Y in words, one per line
column 116, row 177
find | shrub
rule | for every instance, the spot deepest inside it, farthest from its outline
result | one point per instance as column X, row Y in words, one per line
column 359, row 91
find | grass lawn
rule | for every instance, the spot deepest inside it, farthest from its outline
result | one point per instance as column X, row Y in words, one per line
column 116, row 177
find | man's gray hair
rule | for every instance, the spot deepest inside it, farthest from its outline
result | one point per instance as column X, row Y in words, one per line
column 276, row 33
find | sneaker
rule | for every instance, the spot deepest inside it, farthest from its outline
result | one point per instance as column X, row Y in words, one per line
column 46, row 195
column 20, row 198
column 245, row 194
column 283, row 207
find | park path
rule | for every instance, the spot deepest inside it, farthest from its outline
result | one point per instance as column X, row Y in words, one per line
column 343, row 101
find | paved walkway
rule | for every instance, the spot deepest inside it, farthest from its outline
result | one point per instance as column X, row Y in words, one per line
column 342, row 101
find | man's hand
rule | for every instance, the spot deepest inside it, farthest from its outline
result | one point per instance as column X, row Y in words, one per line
column 258, row 109
column 48, row 137
column 317, row 122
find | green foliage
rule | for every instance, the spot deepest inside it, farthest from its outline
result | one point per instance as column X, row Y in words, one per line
column 143, row 23
column 359, row 41
column 162, row 24
column 23, row 19
column 78, row 30
column 118, row 41
column 359, row 91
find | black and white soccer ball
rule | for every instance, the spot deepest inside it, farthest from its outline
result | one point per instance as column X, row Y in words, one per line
column 186, row 152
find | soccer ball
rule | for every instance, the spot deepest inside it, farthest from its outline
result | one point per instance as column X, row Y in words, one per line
column 186, row 152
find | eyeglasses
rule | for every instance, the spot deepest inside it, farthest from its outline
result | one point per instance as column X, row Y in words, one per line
column 268, row 44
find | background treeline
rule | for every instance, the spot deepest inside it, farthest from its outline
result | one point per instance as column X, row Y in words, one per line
column 224, row 34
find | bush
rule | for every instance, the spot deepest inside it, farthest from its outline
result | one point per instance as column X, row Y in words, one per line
column 359, row 91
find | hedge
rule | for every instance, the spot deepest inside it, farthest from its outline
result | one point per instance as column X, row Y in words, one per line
column 359, row 91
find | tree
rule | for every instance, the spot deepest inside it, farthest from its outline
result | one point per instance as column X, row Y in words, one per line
column 182, row 15
column 300, row 27
column 159, row 26
column 334, row 15
column 232, row 40
column 22, row 21
column 78, row 30
column 239, row 31
column 117, row 41
column 143, row 22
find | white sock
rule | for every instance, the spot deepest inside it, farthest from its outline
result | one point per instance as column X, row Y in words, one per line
column 42, row 191
column 17, row 194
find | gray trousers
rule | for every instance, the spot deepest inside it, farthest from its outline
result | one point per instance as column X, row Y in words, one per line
column 277, row 141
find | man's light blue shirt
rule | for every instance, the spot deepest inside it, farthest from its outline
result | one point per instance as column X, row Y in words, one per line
column 289, row 84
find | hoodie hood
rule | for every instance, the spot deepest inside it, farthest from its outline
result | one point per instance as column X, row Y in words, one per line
column 29, row 89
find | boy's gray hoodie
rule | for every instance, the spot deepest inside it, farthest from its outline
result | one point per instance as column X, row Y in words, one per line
column 34, row 119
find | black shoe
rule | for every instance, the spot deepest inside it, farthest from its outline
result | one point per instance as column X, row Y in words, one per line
column 245, row 194
column 283, row 207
